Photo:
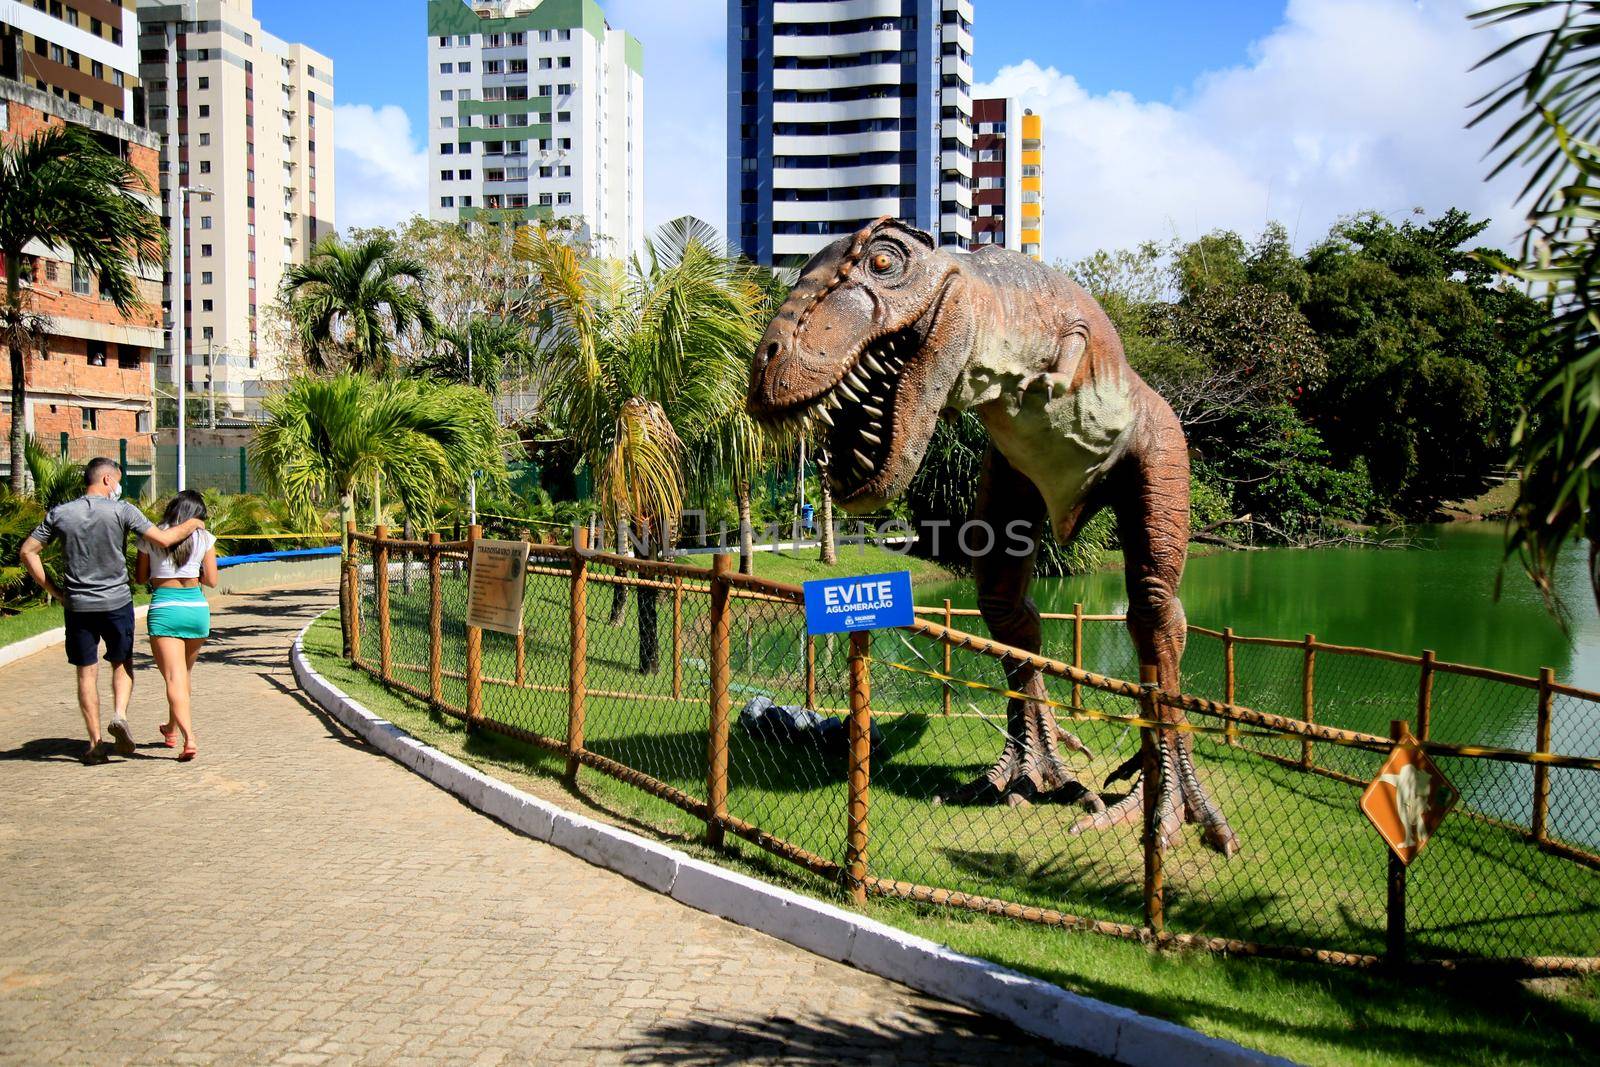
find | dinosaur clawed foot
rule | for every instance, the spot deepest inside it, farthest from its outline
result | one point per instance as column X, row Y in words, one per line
column 1180, row 799
column 1030, row 769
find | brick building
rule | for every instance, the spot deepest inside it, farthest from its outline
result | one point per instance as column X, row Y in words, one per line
column 1008, row 176
column 91, row 389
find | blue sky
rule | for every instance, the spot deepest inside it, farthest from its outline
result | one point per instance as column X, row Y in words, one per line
column 1163, row 118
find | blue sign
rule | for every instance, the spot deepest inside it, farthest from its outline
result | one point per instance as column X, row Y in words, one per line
column 866, row 602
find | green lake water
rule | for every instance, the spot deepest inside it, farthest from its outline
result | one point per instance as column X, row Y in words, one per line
column 1439, row 596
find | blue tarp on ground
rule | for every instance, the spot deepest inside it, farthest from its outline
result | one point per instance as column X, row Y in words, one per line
column 273, row 557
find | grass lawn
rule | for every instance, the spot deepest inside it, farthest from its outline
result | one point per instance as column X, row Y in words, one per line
column 1311, row 873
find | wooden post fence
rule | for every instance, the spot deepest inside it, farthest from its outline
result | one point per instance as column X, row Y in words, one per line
column 578, row 662
column 677, row 636
column 352, row 592
column 1541, row 744
column 474, row 643
column 1395, row 942
column 380, row 585
column 860, row 737
column 1229, row 686
column 717, row 735
column 1425, row 696
column 435, row 624
column 946, row 646
column 1151, row 779
column 1077, row 652
column 1308, row 698
column 811, row 671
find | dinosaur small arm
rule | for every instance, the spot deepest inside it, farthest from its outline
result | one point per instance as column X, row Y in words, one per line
column 881, row 334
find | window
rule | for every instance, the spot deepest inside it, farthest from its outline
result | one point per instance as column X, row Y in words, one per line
column 464, row 42
column 205, row 277
column 447, row 68
column 547, row 172
column 565, row 89
column 545, row 199
column 205, row 222
column 563, row 172
column 208, row 332
column 563, row 198
column 563, row 116
column 205, row 166
column 205, row 139
column 205, row 111
column 463, row 94
column 98, row 70
column 465, row 147
column 91, row 417
column 80, row 279
column 563, row 35
column 544, row 35
column 493, row 66
column 446, row 148
column 447, row 175
column 519, row 39
column 205, row 250
column 466, row 201
column 447, row 201
column 566, row 61
column 464, row 68
column 446, row 94
column 97, row 353
column 205, row 83
column 447, row 123
column 464, row 175
column 494, row 40
column 544, row 64
column 208, row 305
column 544, row 90
column 444, row 42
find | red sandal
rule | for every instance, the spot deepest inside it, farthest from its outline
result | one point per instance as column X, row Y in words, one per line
column 168, row 735
column 186, row 755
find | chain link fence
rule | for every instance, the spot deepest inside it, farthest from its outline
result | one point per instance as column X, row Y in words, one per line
column 1224, row 816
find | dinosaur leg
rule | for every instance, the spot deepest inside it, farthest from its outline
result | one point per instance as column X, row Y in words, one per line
column 1152, row 507
column 1030, row 764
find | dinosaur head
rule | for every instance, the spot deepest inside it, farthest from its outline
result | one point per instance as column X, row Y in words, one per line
column 869, row 346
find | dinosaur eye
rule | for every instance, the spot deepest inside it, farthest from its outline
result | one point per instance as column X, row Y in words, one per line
column 883, row 262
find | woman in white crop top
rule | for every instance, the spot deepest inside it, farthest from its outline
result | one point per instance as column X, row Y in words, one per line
column 180, row 618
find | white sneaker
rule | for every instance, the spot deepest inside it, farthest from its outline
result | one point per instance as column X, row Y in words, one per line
column 121, row 736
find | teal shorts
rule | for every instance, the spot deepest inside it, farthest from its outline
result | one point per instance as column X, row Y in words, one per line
column 180, row 611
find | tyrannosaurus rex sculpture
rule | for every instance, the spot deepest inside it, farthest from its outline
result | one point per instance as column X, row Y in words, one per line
column 883, row 332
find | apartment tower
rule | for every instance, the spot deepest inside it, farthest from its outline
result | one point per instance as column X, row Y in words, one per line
column 1008, row 175
column 248, row 117
column 843, row 111
column 536, row 112
column 80, row 51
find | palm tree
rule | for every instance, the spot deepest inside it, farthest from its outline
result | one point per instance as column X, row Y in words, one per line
column 325, row 436
column 644, row 360
column 61, row 188
column 56, row 479
column 1554, row 127
column 501, row 351
column 350, row 304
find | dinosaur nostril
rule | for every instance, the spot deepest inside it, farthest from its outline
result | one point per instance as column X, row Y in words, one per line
column 770, row 354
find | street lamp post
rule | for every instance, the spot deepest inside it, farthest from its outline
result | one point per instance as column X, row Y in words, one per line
column 472, row 484
column 180, row 320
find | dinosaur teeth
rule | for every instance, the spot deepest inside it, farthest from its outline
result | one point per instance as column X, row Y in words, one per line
column 874, row 438
column 875, row 412
column 822, row 413
column 863, row 460
column 872, row 363
column 844, row 387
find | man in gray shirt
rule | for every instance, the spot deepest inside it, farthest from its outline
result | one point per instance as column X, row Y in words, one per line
column 93, row 531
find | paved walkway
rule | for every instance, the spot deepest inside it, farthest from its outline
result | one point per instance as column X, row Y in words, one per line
column 292, row 896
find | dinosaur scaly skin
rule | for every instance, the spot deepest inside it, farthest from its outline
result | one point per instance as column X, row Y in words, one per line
column 883, row 332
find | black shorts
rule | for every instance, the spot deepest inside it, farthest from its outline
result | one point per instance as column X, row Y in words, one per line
column 86, row 629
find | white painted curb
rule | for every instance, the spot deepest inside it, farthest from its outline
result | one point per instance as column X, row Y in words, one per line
column 1042, row 1009
column 39, row 642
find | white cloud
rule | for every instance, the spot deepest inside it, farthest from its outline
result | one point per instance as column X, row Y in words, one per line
column 381, row 173
column 1348, row 105
column 685, row 105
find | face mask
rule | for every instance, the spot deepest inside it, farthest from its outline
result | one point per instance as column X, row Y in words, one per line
column 116, row 491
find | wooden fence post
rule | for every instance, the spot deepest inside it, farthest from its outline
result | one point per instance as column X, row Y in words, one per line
column 946, row 644
column 380, row 585
column 1229, row 686
column 521, row 640
column 474, row 643
column 1152, row 775
column 860, row 737
column 1541, row 773
column 352, row 592
column 1396, row 940
column 1425, row 696
column 435, row 623
column 578, row 663
column 1308, row 698
column 677, row 636
column 717, row 733
column 811, row 671
column 1077, row 653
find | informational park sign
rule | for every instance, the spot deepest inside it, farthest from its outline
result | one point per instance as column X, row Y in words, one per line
column 866, row 602
column 496, row 585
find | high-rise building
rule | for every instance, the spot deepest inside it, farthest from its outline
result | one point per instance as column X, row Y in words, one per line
column 81, row 51
column 536, row 111
column 843, row 111
column 1008, row 176
column 248, row 117
column 89, row 389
